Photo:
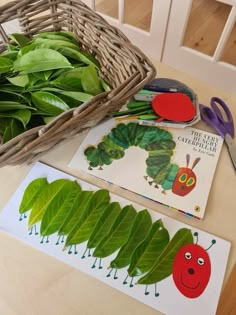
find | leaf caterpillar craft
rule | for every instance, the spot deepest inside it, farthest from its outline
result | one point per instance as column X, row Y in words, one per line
column 144, row 248
column 160, row 146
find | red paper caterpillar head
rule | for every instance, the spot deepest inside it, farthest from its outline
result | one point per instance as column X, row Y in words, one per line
column 192, row 269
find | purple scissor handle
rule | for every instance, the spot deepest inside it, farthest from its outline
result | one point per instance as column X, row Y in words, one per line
column 224, row 127
column 213, row 117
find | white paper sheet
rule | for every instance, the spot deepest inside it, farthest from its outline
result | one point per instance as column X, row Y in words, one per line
column 169, row 298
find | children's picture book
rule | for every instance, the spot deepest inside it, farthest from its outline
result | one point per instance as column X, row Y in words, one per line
column 158, row 261
column 174, row 167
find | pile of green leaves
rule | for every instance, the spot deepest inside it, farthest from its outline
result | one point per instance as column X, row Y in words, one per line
column 41, row 77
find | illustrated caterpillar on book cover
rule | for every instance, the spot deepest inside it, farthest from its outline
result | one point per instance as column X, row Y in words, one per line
column 160, row 147
column 143, row 247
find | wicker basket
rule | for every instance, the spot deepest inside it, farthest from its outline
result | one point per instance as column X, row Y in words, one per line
column 123, row 66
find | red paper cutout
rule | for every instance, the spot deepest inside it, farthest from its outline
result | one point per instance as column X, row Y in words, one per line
column 191, row 270
column 174, row 106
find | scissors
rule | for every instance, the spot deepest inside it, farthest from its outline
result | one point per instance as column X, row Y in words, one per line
column 224, row 127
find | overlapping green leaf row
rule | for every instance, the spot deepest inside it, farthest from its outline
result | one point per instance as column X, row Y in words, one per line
column 43, row 77
column 156, row 141
column 143, row 247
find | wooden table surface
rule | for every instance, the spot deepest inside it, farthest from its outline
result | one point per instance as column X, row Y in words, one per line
column 33, row 283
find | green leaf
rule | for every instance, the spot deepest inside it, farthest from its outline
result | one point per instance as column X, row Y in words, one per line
column 59, row 73
column 90, row 81
column 43, row 75
column 49, row 103
column 55, row 44
column 43, row 114
column 12, row 55
column 5, row 64
column 140, row 228
column 118, row 234
column 42, row 59
column 78, row 96
column 71, row 102
column 35, row 82
column 54, row 215
column 164, row 263
column 12, row 48
column 145, row 255
column 72, row 45
column 6, row 95
column 9, row 106
column 13, row 130
column 67, row 36
column 105, row 86
column 22, row 115
column 26, row 49
column 47, row 119
column 104, row 224
column 91, row 213
column 44, row 200
column 88, row 59
column 68, row 83
column 20, row 39
column 4, row 123
column 11, row 88
column 31, row 193
column 75, row 212
column 20, row 80
column 77, row 55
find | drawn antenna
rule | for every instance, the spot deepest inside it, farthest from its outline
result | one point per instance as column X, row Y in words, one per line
column 212, row 243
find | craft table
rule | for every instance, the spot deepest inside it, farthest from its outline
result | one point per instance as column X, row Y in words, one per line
column 35, row 283
column 32, row 282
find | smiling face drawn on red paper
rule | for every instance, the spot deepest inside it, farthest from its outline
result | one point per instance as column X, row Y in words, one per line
column 191, row 270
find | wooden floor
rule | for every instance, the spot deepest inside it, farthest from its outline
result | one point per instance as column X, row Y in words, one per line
column 205, row 25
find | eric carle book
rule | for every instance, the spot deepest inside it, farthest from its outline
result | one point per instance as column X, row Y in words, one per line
column 174, row 167
column 156, row 260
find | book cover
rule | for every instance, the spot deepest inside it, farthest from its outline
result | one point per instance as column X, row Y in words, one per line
column 174, row 167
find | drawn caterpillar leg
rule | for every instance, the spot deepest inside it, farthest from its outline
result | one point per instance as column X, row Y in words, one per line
column 131, row 285
column 61, row 239
column 126, row 278
column 146, row 292
column 22, row 217
column 33, row 228
column 42, row 240
column 70, row 250
column 115, row 273
column 100, row 264
column 84, row 254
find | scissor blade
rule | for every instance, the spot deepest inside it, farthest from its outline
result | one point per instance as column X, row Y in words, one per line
column 231, row 148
